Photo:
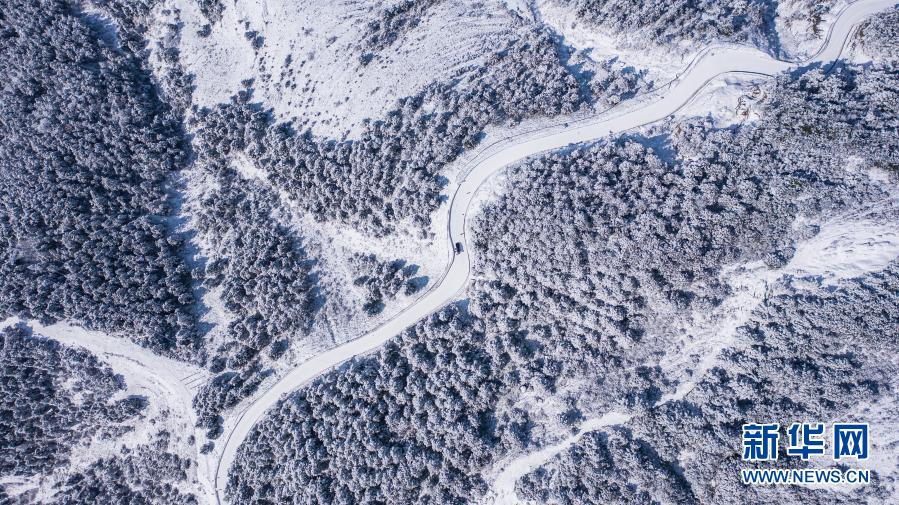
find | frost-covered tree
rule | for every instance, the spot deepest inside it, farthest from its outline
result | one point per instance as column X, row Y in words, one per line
column 607, row 467
column 392, row 22
column 580, row 266
column 146, row 475
column 383, row 280
column 53, row 399
column 613, row 82
column 86, row 149
column 212, row 9
column 259, row 266
column 679, row 20
column 879, row 36
column 411, row 424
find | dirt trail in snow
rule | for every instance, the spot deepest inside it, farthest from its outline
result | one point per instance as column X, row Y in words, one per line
column 667, row 100
column 503, row 490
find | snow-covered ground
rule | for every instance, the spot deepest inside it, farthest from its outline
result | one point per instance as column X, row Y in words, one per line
column 478, row 171
column 846, row 247
column 308, row 66
column 727, row 100
column 166, row 383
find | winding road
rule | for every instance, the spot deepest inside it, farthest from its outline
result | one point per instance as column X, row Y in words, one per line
column 657, row 105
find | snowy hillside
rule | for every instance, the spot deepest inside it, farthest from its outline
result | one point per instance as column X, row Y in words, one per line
column 326, row 64
column 434, row 251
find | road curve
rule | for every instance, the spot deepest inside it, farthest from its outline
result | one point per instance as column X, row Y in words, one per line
column 708, row 65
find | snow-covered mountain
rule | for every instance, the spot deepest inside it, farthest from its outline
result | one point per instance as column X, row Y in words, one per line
column 431, row 251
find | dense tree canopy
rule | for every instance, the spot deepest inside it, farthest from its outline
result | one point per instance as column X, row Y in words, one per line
column 622, row 241
column 86, row 150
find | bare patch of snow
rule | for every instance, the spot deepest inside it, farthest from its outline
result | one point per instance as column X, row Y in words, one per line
column 727, row 100
column 844, row 250
column 309, row 64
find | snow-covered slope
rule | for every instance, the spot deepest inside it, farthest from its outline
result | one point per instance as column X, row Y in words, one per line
column 710, row 65
column 309, row 63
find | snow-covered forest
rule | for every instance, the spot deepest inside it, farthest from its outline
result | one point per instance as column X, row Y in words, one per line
column 672, row 22
column 675, row 450
column 390, row 176
column 627, row 244
column 87, row 149
column 199, row 198
column 387, row 181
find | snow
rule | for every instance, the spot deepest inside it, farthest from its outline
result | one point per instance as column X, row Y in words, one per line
column 843, row 250
column 333, row 91
column 165, row 382
column 477, row 170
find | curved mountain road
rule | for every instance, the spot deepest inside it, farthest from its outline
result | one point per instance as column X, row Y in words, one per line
column 709, row 64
